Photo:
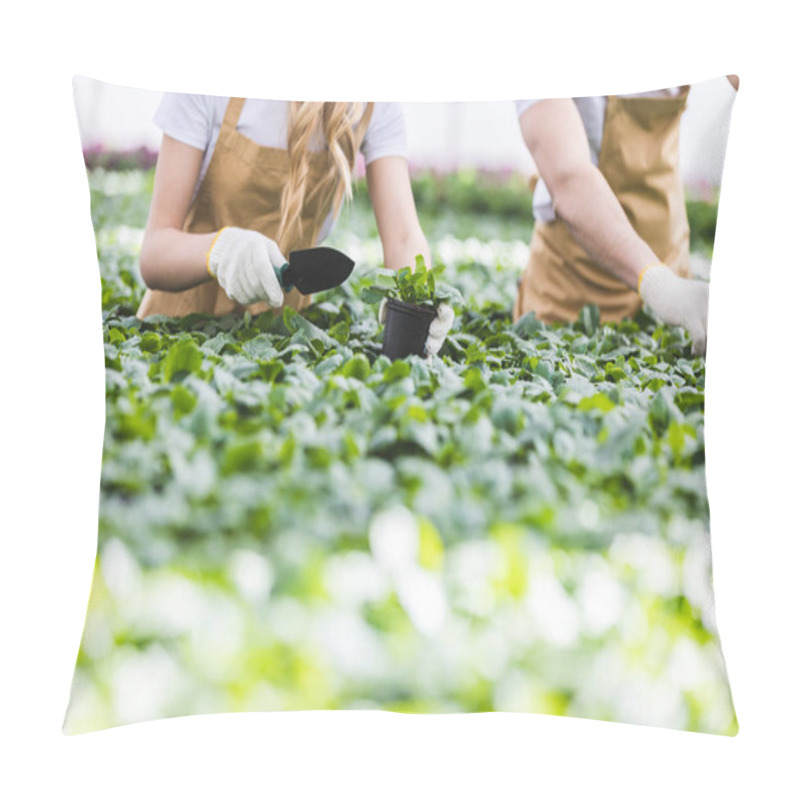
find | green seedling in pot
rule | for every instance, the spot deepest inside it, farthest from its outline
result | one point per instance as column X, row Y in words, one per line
column 417, row 313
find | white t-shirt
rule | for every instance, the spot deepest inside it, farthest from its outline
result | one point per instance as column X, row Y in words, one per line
column 195, row 119
column 592, row 111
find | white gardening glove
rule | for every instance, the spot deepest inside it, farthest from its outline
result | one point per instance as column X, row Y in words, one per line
column 677, row 301
column 244, row 262
column 382, row 311
column 439, row 328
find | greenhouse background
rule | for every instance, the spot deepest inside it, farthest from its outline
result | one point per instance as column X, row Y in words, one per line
column 442, row 136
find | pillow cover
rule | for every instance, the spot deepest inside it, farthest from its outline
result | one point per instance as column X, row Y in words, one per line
column 296, row 516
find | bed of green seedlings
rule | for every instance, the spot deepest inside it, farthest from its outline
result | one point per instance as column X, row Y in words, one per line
column 290, row 520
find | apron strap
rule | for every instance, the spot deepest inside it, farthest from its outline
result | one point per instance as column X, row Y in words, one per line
column 683, row 91
column 232, row 114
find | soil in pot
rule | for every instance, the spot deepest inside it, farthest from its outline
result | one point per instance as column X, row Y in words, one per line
column 406, row 328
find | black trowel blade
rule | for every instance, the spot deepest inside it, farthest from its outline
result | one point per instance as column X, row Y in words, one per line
column 317, row 269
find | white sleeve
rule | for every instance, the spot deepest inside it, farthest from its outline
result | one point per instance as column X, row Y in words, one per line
column 187, row 118
column 386, row 133
column 524, row 105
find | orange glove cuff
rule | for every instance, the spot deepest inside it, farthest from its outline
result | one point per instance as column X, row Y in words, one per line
column 642, row 274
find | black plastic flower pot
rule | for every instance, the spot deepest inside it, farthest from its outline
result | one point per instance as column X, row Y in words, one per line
column 406, row 328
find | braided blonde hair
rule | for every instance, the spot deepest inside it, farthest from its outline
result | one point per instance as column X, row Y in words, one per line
column 340, row 127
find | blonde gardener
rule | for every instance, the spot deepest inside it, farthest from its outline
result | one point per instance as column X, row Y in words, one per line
column 239, row 183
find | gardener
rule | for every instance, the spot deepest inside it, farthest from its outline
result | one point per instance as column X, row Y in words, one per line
column 611, row 225
column 239, row 183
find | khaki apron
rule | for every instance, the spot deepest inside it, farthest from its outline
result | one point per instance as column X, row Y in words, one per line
column 242, row 188
column 639, row 159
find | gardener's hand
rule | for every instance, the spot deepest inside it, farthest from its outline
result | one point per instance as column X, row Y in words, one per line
column 439, row 328
column 677, row 301
column 382, row 311
column 244, row 262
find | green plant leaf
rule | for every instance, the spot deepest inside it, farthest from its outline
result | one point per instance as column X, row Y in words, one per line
column 183, row 358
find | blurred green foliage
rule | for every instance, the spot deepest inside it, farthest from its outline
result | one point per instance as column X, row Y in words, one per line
column 289, row 520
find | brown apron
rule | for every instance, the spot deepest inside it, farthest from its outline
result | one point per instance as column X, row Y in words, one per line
column 242, row 187
column 639, row 159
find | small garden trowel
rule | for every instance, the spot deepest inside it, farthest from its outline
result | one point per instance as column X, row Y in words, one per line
column 314, row 270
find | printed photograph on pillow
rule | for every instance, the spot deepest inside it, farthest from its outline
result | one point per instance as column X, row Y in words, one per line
column 404, row 406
